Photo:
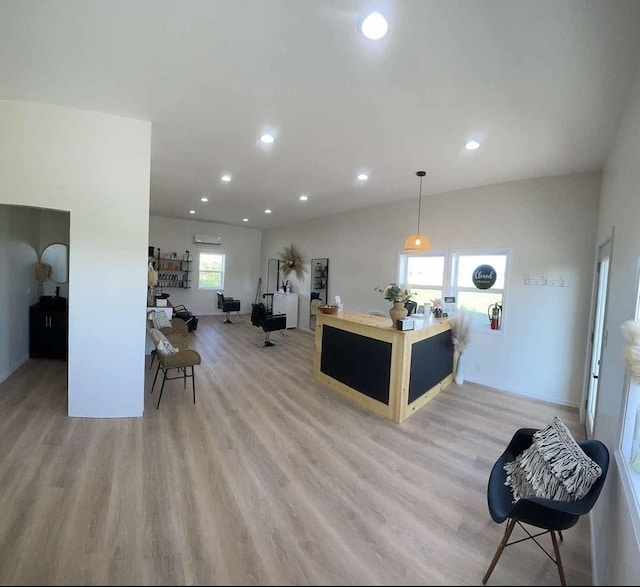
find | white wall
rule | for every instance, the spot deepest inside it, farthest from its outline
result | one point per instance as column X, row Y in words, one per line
column 547, row 224
column 19, row 242
column 97, row 167
column 617, row 549
column 241, row 247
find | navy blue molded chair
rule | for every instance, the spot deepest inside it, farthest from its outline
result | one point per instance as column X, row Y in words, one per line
column 550, row 515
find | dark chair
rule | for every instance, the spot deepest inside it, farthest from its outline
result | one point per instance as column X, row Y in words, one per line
column 227, row 304
column 268, row 322
column 550, row 515
column 411, row 306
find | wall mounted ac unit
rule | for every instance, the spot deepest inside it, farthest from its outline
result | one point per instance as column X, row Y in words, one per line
column 206, row 239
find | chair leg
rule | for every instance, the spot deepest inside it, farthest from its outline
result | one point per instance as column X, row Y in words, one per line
column 153, row 356
column 162, row 388
column 184, row 373
column 498, row 554
column 193, row 383
column 556, row 551
column 227, row 321
column 267, row 341
column 560, row 534
column 156, row 377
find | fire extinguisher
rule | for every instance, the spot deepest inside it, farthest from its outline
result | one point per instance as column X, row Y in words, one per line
column 494, row 312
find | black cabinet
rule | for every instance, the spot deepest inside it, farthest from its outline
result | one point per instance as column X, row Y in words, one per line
column 48, row 332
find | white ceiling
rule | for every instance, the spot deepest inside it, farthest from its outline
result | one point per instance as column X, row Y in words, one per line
column 541, row 84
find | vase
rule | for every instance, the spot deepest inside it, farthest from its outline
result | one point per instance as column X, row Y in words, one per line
column 397, row 312
column 459, row 371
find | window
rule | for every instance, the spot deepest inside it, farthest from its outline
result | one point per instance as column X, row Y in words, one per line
column 425, row 275
column 468, row 296
column 630, row 435
column 440, row 276
column 211, row 271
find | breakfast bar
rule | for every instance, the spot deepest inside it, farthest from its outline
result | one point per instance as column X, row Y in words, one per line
column 391, row 372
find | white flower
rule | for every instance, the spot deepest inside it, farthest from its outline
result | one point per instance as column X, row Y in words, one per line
column 396, row 293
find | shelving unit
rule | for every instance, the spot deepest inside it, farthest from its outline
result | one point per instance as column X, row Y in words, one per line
column 319, row 287
column 173, row 272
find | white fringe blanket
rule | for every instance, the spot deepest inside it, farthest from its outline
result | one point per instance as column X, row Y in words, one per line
column 553, row 467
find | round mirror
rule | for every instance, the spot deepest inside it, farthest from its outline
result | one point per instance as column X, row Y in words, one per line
column 57, row 255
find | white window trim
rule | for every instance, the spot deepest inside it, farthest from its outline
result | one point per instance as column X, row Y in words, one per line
column 222, row 273
column 455, row 253
column 450, row 269
column 630, row 479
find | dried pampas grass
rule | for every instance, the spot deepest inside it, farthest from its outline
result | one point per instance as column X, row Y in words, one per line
column 291, row 262
column 631, row 336
column 461, row 330
column 43, row 272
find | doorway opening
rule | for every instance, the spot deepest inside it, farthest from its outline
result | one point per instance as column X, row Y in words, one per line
column 598, row 334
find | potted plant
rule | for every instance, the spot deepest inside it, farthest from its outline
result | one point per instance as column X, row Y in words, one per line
column 399, row 295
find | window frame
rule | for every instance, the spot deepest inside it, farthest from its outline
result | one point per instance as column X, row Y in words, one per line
column 221, row 272
column 450, row 286
column 454, row 288
column 403, row 269
column 626, row 425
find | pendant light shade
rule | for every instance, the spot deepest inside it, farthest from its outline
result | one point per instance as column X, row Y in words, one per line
column 418, row 243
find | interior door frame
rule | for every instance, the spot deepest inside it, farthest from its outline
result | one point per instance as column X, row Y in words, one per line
column 602, row 250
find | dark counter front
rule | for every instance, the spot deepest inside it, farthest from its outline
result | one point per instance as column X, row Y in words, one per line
column 431, row 361
column 391, row 372
column 362, row 363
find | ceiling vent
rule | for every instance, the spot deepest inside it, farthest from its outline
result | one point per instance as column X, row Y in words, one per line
column 206, row 239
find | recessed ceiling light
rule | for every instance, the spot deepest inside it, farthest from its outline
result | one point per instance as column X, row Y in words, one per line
column 245, row 220
column 267, row 138
column 192, row 211
column 203, row 199
column 375, row 26
column 363, row 176
column 472, row 145
column 267, row 211
column 226, row 177
column 304, row 198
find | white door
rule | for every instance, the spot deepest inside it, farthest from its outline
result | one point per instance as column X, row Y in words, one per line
column 598, row 333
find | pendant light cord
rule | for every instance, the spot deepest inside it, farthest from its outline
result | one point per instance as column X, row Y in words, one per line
column 419, row 204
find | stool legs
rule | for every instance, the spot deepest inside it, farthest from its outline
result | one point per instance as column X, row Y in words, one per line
column 162, row 388
column 498, row 554
column 193, row 383
column 558, row 561
column 156, row 377
column 182, row 376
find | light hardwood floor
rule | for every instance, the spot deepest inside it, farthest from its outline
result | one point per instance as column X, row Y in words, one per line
column 270, row 478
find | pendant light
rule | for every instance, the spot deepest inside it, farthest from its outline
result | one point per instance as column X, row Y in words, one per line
column 418, row 243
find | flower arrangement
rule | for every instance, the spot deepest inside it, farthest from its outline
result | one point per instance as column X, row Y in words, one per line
column 461, row 330
column 395, row 292
column 43, row 273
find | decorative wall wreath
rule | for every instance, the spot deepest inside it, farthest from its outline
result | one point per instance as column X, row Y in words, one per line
column 291, row 262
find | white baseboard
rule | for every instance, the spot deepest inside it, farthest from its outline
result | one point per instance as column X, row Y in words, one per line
column 542, row 398
column 13, row 368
